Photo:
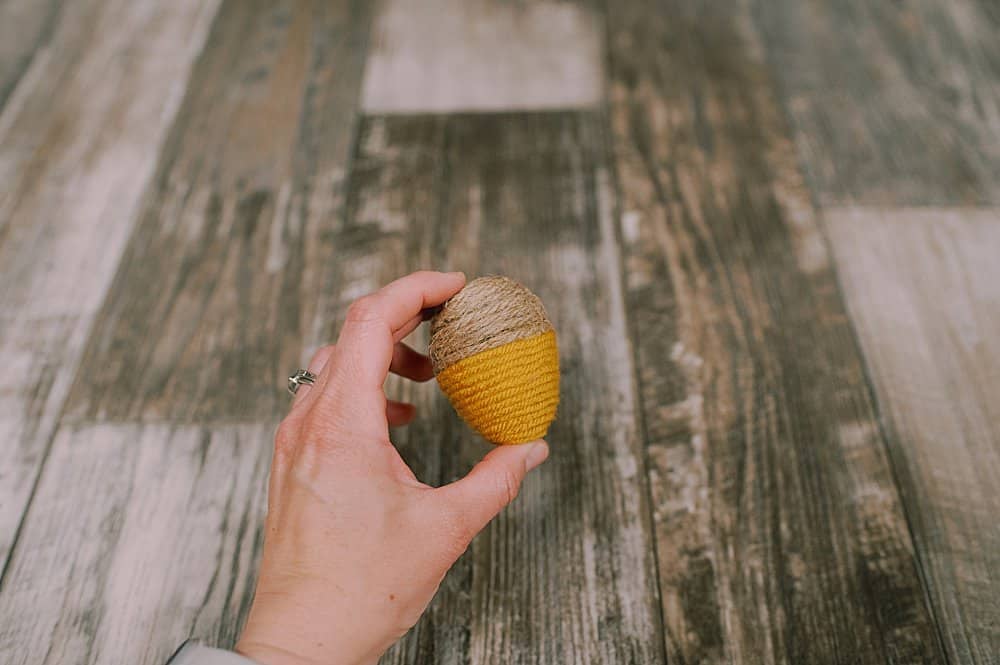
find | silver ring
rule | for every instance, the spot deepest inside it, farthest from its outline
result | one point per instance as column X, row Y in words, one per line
column 301, row 376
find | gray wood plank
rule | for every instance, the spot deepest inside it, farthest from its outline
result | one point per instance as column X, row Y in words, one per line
column 566, row 574
column 138, row 537
column 780, row 534
column 227, row 278
column 78, row 144
column 923, row 286
column 392, row 227
column 25, row 27
column 893, row 102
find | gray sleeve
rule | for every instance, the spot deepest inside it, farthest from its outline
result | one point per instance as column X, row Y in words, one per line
column 192, row 653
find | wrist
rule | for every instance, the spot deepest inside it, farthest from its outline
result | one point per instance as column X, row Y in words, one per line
column 266, row 654
column 286, row 636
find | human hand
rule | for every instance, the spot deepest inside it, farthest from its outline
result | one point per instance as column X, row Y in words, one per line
column 355, row 546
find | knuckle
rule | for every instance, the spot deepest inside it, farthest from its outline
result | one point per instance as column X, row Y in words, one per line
column 284, row 431
column 324, row 352
column 508, row 486
column 363, row 310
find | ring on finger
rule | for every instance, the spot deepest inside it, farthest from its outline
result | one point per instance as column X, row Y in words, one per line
column 300, row 377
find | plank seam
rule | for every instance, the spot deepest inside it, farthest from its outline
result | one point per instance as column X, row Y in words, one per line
column 27, row 506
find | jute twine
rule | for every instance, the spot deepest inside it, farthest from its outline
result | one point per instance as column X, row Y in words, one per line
column 495, row 356
column 489, row 312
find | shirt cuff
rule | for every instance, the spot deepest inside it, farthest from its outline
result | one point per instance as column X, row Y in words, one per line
column 192, row 653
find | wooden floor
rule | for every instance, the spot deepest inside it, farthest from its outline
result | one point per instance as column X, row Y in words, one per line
column 768, row 232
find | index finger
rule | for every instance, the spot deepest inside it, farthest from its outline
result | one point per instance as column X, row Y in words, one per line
column 374, row 321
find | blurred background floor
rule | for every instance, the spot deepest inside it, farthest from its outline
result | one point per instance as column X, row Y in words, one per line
column 767, row 232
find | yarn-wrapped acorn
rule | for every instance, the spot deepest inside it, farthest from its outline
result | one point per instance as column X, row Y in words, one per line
column 494, row 354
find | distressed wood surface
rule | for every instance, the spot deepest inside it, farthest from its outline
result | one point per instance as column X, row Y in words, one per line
column 780, row 534
column 892, row 102
column 138, row 538
column 226, row 279
column 566, row 574
column 720, row 487
column 78, row 142
column 26, row 26
column 923, row 286
column 483, row 55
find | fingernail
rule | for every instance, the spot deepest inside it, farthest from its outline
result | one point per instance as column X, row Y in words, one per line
column 457, row 273
column 538, row 453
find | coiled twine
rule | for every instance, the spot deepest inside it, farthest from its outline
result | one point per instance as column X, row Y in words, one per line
column 494, row 353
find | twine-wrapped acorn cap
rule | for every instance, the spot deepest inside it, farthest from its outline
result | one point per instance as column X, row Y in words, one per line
column 494, row 353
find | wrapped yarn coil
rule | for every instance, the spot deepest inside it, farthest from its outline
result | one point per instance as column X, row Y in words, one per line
column 495, row 356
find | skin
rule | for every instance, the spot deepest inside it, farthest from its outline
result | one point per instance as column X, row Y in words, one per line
column 355, row 546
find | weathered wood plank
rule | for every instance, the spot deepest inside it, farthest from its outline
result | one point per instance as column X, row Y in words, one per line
column 923, row 286
column 78, row 144
column 227, row 277
column 25, row 27
column 566, row 574
column 483, row 55
column 395, row 187
column 137, row 538
column 893, row 102
column 780, row 536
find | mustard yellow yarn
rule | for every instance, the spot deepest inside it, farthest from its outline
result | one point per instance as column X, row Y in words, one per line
column 509, row 393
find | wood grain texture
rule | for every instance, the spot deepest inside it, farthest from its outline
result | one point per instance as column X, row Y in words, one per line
column 226, row 278
column 780, row 536
column 78, row 143
column 892, row 102
column 138, row 537
column 482, row 55
column 25, row 27
column 566, row 574
column 923, row 287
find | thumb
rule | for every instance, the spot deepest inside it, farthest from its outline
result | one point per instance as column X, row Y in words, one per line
column 494, row 482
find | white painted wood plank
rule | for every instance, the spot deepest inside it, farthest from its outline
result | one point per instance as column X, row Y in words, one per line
column 138, row 538
column 79, row 139
column 923, row 286
column 441, row 56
